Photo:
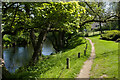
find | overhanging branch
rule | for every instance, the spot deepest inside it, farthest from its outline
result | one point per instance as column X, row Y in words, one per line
column 102, row 20
column 91, row 9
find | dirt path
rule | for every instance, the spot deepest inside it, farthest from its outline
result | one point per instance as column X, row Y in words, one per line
column 85, row 71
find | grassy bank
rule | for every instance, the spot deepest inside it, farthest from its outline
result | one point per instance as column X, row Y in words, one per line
column 54, row 66
column 106, row 61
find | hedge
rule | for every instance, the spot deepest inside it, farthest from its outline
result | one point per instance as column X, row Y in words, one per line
column 111, row 35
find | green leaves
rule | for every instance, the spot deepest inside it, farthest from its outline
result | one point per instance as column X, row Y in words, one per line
column 60, row 15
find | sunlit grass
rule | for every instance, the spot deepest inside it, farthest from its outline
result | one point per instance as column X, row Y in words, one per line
column 54, row 66
column 106, row 61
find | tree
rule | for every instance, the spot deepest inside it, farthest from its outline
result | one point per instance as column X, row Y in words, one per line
column 44, row 17
column 119, row 14
column 100, row 14
column 54, row 16
column 40, row 17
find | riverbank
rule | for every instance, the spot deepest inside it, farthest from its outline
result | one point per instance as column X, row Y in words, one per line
column 54, row 66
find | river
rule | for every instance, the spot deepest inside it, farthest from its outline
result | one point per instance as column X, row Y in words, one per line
column 19, row 56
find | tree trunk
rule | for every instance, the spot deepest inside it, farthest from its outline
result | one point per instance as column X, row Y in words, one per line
column 119, row 15
column 38, row 47
column 100, row 23
column 62, row 39
column 56, row 43
column 34, row 57
column 40, row 50
column 100, row 29
column 37, row 44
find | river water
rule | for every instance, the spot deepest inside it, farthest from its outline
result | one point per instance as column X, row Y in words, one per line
column 19, row 56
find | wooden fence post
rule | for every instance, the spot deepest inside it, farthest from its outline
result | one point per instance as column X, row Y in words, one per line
column 85, row 52
column 86, row 43
column 68, row 63
column 78, row 55
column 86, row 46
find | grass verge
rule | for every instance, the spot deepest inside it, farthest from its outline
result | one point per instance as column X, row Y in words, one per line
column 106, row 62
column 54, row 66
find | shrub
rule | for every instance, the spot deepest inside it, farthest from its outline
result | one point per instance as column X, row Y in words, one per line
column 111, row 35
column 118, row 40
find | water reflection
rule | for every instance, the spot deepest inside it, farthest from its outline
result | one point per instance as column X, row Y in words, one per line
column 19, row 56
column 16, row 57
column 47, row 48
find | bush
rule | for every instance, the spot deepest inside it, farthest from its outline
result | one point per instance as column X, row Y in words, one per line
column 111, row 35
column 118, row 40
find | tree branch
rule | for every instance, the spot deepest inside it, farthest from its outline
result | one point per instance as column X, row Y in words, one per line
column 7, row 7
column 91, row 9
column 14, row 16
column 102, row 20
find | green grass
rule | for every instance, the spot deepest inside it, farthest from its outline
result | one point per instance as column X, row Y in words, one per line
column 54, row 66
column 106, row 61
column 94, row 33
